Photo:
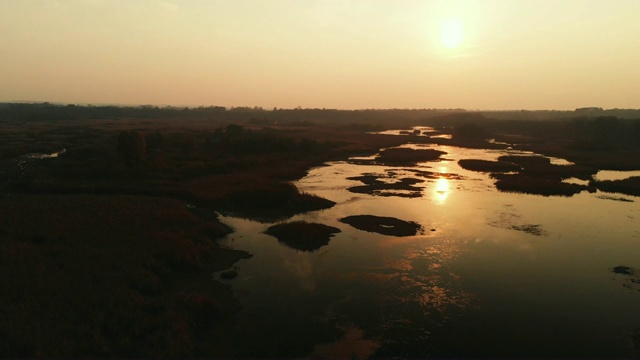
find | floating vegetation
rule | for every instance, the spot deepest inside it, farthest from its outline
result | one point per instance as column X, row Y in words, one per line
column 631, row 277
column 407, row 156
column 229, row 274
column 274, row 202
column 533, row 175
column 630, row 186
column 375, row 184
column 525, row 160
column 302, row 235
column 506, row 220
column 488, row 166
column 537, row 185
column 435, row 175
column 383, row 225
column 530, row 229
column 393, row 182
column 614, row 198
column 540, row 166
column 624, row 270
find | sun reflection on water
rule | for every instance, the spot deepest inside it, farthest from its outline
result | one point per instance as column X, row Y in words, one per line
column 442, row 190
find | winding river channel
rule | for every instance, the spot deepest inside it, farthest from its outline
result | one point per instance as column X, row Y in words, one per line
column 488, row 273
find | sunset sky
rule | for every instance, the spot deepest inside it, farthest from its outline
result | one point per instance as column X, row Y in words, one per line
column 485, row 54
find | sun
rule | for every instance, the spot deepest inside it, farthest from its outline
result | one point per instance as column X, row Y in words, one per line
column 452, row 33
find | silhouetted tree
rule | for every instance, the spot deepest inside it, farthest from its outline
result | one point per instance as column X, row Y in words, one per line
column 132, row 147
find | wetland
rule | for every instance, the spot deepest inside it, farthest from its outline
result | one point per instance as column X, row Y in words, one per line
column 317, row 234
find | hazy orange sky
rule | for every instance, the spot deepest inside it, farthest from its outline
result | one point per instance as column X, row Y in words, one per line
column 486, row 54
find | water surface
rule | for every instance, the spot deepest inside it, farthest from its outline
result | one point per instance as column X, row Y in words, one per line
column 490, row 273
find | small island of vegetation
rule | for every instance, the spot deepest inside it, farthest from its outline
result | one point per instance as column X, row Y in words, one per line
column 383, row 225
column 302, row 235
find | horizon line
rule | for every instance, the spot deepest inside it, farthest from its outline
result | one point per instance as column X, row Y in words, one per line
column 275, row 108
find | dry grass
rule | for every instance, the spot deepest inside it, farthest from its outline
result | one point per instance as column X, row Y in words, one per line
column 101, row 276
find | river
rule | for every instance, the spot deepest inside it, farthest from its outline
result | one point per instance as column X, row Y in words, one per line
column 489, row 274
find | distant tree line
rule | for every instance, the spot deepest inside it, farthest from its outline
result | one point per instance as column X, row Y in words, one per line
column 298, row 116
column 51, row 112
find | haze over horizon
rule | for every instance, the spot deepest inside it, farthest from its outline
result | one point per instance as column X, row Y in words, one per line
column 344, row 54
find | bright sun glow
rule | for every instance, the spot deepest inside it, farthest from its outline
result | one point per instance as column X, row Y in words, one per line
column 452, row 33
column 442, row 190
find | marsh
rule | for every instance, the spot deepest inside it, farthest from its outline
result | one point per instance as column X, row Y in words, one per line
column 420, row 252
column 502, row 274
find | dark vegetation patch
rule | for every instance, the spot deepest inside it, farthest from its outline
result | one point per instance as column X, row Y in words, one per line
column 229, row 274
column 228, row 167
column 410, row 132
column 536, row 185
column 630, row 186
column 535, row 175
column 624, row 270
column 274, row 202
column 614, row 198
column 631, row 279
column 302, row 235
column 526, row 160
column 79, row 271
column 407, row 156
column 488, row 166
column 533, row 229
column 434, row 175
column 590, row 139
column 393, row 182
column 383, row 225
column 512, row 221
column 387, row 185
column 540, row 166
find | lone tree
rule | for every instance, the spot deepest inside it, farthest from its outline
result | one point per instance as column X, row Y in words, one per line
column 132, row 147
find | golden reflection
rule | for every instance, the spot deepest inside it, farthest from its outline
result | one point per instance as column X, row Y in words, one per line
column 442, row 190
